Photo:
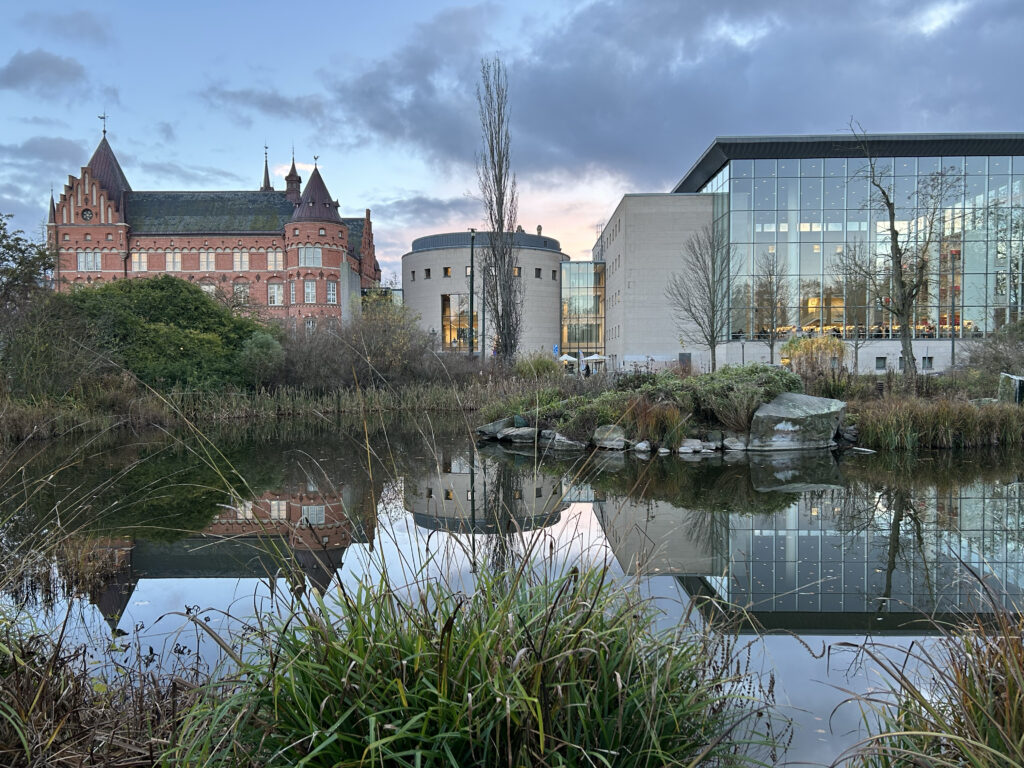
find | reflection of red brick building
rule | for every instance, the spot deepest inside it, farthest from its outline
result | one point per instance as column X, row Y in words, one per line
column 287, row 251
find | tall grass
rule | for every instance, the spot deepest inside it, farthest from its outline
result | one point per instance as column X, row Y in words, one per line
column 907, row 424
column 519, row 671
column 956, row 702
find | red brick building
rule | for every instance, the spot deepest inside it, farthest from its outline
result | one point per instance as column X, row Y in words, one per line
column 288, row 253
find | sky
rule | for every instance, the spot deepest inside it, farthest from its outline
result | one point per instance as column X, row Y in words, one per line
column 606, row 97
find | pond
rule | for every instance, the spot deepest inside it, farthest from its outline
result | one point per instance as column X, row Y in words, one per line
column 805, row 551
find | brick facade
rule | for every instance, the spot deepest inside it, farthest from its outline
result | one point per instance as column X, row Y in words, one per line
column 291, row 257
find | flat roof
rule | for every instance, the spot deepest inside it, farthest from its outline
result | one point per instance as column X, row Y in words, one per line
column 725, row 148
column 483, row 240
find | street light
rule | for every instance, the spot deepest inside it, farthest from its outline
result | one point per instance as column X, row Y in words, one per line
column 472, row 279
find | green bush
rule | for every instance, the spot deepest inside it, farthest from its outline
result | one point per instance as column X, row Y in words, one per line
column 731, row 394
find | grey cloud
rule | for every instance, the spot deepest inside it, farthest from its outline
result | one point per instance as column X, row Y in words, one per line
column 198, row 175
column 75, row 25
column 269, row 102
column 166, row 131
column 42, row 73
column 423, row 96
column 641, row 89
column 47, row 122
column 421, row 210
column 46, row 153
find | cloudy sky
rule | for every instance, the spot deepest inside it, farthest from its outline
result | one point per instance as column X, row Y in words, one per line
column 607, row 97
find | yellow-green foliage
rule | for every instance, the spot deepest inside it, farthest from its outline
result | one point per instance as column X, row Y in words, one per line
column 812, row 357
column 537, row 366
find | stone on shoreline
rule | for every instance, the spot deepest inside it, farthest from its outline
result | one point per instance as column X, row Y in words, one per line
column 611, row 437
column 793, row 422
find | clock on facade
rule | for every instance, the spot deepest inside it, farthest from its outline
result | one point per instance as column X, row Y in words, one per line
column 87, row 214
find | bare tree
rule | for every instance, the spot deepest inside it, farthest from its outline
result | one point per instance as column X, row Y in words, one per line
column 503, row 288
column 913, row 237
column 699, row 292
column 771, row 298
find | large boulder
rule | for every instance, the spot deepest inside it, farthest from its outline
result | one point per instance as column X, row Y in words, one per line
column 795, row 422
column 490, row 431
column 518, row 435
column 556, row 441
column 610, row 436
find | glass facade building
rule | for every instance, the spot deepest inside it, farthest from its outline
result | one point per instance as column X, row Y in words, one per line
column 803, row 207
column 582, row 313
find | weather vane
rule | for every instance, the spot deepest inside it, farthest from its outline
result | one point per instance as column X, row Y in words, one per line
column 315, row 158
column 103, row 117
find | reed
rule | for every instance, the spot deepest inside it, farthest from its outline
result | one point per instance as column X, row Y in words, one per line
column 907, row 424
column 518, row 671
column 956, row 702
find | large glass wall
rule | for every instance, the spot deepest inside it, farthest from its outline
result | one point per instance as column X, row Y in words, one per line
column 455, row 323
column 582, row 308
column 806, row 218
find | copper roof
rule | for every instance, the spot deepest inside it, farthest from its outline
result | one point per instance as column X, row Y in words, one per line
column 316, row 203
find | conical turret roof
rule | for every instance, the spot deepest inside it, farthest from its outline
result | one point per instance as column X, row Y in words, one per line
column 52, row 218
column 316, row 203
column 107, row 171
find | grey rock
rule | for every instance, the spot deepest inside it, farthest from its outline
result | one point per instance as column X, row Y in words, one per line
column 685, row 449
column 491, row 430
column 518, row 434
column 794, row 471
column 734, row 444
column 695, row 446
column 794, row 422
column 610, row 436
column 663, row 451
column 559, row 442
column 710, row 447
column 519, row 421
column 642, row 447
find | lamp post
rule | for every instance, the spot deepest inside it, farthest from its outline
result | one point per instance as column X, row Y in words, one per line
column 472, row 279
column 954, row 255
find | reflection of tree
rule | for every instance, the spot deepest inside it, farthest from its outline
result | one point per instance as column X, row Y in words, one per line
column 771, row 298
column 504, row 495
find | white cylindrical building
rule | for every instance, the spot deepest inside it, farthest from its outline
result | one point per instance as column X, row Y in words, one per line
column 435, row 286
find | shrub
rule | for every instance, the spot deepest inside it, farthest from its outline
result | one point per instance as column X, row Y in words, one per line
column 537, row 366
column 815, row 357
column 731, row 394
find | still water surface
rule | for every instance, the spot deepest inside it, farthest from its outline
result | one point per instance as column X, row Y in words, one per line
column 808, row 551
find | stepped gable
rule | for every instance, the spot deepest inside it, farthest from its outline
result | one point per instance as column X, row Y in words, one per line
column 105, row 169
column 178, row 213
column 316, row 203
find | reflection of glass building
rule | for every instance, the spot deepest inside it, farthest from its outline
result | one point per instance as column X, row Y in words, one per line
column 808, row 201
column 582, row 308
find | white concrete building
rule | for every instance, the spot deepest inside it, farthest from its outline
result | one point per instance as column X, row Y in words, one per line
column 435, row 283
column 642, row 246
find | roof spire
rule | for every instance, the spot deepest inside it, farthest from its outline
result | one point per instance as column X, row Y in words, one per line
column 52, row 219
column 103, row 117
column 266, row 172
column 293, row 182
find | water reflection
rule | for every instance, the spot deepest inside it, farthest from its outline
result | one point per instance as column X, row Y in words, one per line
column 802, row 543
